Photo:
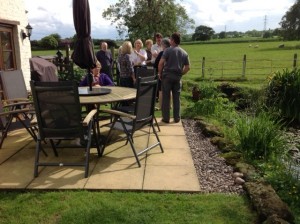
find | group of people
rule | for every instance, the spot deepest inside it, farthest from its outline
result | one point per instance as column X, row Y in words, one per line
column 170, row 61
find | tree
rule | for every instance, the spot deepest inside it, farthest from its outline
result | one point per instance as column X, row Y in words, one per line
column 222, row 35
column 290, row 23
column 49, row 42
column 254, row 33
column 267, row 34
column 203, row 33
column 56, row 36
column 142, row 19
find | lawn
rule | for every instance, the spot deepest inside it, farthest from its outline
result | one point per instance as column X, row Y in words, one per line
column 123, row 207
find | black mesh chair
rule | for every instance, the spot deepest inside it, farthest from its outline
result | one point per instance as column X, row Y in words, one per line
column 143, row 116
column 58, row 114
column 147, row 74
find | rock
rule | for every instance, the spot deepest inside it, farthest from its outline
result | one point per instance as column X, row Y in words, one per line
column 239, row 181
column 249, row 171
column 232, row 158
column 237, row 174
column 223, row 144
column 274, row 219
column 267, row 202
column 209, row 130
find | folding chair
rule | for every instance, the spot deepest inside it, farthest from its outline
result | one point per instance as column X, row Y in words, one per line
column 13, row 85
column 142, row 116
column 18, row 109
column 13, row 118
column 59, row 117
column 147, row 74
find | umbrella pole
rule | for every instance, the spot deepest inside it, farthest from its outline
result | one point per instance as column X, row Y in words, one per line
column 90, row 79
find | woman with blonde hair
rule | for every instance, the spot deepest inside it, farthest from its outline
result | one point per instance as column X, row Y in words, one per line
column 139, row 55
column 127, row 77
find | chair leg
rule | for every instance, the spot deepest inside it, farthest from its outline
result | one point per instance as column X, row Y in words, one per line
column 133, row 150
column 87, row 156
column 157, row 138
column 30, row 130
column 5, row 130
column 37, row 155
column 53, row 147
column 95, row 136
column 130, row 139
column 158, row 128
column 108, row 135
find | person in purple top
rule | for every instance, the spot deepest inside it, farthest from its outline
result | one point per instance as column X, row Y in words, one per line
column 99, row 79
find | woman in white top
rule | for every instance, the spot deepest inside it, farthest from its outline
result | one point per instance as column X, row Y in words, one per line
column 139, row 55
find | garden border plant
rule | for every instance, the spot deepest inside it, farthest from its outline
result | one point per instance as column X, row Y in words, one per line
column 255, row 137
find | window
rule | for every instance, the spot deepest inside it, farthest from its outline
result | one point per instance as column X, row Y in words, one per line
column 7, row 54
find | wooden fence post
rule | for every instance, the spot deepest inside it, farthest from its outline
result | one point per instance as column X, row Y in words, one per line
column 203, row 67
column 295, row 61
column 244, row 66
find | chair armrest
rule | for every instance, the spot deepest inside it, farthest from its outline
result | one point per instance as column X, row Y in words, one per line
column 18, row 100
column 11, row 112
column 119, row 113
column 18, row 104
column 89, row 117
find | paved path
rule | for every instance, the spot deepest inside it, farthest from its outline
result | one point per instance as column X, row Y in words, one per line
column 172, row 170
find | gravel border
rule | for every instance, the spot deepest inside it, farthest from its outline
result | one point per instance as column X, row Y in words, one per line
column 213, row 173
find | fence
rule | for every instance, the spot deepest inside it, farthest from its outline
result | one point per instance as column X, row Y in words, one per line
column 258, row 68
column 65, row 66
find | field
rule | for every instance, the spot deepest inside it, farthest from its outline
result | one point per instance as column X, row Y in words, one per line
column 225, row 60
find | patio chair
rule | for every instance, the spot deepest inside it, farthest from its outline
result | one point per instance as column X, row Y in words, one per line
column 15, row 116
column 13, row 86
column 142, row 117
column 147, row 74
column 16, row 109
column 59, row 117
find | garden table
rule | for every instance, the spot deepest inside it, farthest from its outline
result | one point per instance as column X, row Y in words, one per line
column 116, row 94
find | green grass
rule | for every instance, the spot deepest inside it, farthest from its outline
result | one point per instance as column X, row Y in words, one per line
column 261, row 61
column 128, row 207
column 225, row 60
column 123, row 207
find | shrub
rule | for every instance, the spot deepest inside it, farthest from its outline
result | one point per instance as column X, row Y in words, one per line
column 283, row 93
column 260, row 138
column 212, row 104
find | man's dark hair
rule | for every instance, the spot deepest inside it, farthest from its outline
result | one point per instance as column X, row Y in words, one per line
column 176, row 38
column 158, row 35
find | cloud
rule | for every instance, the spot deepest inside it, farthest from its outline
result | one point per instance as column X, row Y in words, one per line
column 56, row 16
column 238, row 15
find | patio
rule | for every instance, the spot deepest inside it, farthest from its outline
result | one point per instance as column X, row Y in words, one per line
column 172, row 170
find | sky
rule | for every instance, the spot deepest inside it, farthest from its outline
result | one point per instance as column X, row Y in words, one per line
column 56, row 16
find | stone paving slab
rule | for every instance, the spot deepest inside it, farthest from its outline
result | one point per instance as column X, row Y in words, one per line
column 117, row 169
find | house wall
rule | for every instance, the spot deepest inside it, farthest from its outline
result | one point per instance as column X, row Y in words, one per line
column 14, row 11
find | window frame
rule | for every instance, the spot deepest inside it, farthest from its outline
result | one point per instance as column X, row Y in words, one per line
column 10, row 30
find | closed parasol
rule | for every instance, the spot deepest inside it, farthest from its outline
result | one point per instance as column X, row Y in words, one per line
column 83, row 54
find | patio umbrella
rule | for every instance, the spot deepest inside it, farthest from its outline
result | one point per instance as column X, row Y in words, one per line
column 83, row 54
